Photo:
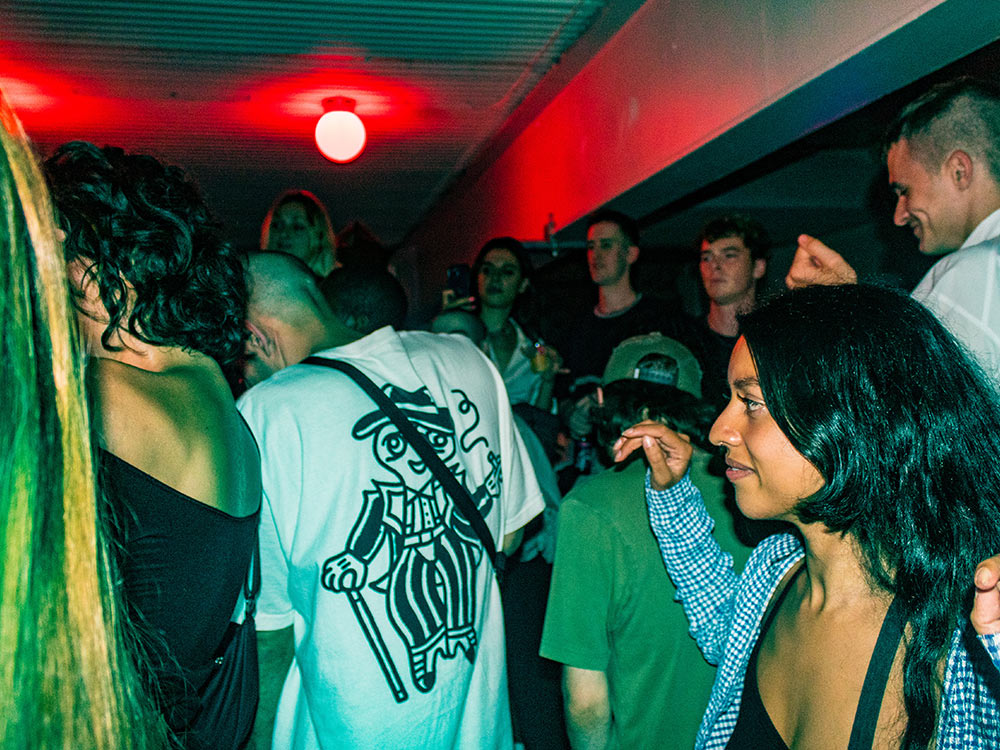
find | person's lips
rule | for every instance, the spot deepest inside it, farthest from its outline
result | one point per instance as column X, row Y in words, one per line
column 735, row 470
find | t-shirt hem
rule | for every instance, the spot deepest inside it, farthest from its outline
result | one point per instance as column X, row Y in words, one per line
column 273, row 622
column 532, row 508
column 574, row 658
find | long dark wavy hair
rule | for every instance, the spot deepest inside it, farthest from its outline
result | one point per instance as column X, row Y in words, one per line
column 902, row 424
column 143, row 225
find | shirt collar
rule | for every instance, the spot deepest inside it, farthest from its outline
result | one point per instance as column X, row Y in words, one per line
column 988, row 229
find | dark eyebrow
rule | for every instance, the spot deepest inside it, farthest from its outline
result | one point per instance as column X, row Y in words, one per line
column 746, row 383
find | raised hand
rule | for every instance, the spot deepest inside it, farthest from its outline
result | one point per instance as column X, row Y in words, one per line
column 668, row 452
column 815, row 263
column 450, row 302
column 986, row 606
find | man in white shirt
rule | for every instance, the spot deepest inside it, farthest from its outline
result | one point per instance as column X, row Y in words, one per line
column 943, row 156
column 377, row 599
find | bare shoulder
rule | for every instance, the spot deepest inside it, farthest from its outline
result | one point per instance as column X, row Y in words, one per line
column 180, row 425
column 128, row 411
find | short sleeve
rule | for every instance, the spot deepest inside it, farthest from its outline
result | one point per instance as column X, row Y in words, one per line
column 576, row 630
column 281, row 457
column 521, row 496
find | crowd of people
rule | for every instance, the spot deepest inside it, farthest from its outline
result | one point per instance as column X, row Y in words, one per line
column 244, row 506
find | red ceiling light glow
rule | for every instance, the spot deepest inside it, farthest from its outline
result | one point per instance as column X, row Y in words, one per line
column 340, row 134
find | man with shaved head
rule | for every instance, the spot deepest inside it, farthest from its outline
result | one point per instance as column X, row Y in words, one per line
column 943, row 157
column 379, row 610
column 288, row 317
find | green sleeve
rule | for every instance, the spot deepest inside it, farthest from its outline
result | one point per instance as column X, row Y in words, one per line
column 576, row 618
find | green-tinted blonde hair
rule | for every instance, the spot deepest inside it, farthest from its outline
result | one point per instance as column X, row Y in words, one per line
column 67, row 681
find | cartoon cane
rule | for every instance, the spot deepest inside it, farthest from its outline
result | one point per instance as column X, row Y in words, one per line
column 367, row 624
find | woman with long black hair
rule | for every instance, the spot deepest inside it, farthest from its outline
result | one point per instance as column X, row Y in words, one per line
column 855, row 417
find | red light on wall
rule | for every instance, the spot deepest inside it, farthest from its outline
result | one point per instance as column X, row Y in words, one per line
column 340, row 134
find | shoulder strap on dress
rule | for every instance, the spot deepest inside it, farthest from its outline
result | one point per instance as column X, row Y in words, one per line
column 877, row 677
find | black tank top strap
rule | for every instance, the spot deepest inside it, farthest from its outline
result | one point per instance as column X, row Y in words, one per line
column 877, row 677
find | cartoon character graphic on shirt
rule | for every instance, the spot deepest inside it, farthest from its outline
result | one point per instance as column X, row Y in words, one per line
column 433, row 552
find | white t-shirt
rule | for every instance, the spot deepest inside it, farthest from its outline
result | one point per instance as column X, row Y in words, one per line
column 396, row 612
column 963, row 291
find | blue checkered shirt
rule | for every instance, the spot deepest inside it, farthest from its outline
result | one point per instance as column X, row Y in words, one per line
column 725, row 611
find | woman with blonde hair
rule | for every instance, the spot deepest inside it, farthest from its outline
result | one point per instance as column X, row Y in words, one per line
column 65, row 674
column 298, row 224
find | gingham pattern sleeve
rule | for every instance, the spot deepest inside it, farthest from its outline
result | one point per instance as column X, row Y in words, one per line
column 992, row 645
column 700, row 569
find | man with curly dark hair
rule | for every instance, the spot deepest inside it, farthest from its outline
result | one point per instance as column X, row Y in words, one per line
column 160, row 301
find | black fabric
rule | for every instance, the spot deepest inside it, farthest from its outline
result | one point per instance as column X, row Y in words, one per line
column 229, row 697
column 534, row 683
column 586, row 346
column 754, row 729
column 877, row 677
column 716, row 350
column 463, row 503
column 182, row 565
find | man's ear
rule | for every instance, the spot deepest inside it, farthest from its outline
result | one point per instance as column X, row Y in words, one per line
column 958, row 169
column 633, row 254
column 259, row 342
column 759, row 268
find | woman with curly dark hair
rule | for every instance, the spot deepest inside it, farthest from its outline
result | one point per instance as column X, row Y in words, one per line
column 857, row 418
column 161, row 303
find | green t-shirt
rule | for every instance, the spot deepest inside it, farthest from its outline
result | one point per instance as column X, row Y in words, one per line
column 611, row 607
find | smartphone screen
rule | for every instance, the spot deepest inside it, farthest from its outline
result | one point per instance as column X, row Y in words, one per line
column 459, row 280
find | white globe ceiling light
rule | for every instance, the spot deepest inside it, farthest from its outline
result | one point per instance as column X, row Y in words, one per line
column 340, row 134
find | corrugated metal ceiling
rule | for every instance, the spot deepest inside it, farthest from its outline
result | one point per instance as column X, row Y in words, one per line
column 232, row 89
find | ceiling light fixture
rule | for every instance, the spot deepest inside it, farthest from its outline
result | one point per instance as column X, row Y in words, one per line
column 340, row 134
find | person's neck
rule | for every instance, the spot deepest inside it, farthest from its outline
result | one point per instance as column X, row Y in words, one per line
column 131, row 351
column 981, row 207
column 722, row 318
column 332, row 333
column 494, row 318
column 835, row 573
column 615, row 297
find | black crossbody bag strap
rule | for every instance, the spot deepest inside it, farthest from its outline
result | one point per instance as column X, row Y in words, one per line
column 458, row 493
column 252, row 585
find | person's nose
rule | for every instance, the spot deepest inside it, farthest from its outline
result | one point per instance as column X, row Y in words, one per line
column 723, row 432
column 901, row 215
